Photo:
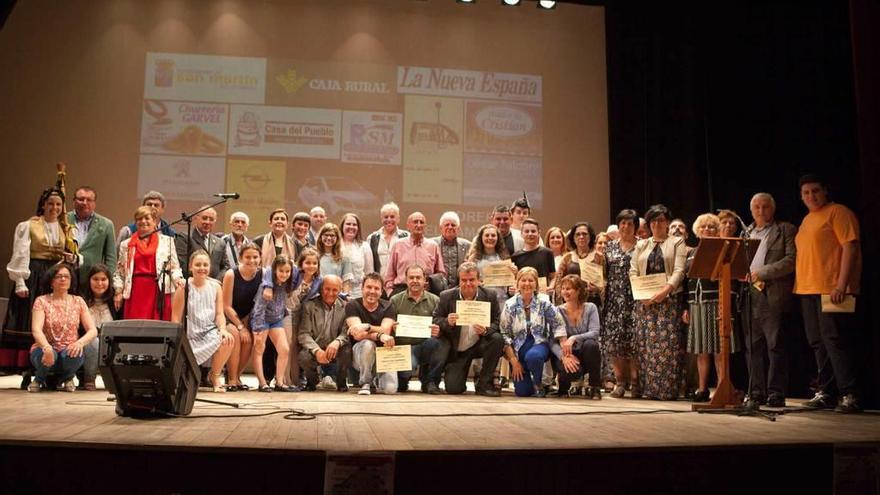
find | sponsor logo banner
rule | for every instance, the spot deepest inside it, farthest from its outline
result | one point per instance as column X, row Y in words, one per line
column 183, row 128
column 284, row 131
column 491, row 180
column 176, row 76
column 496, row 127
column 371, row 137
column 193, row 178
column 261, row 185
column 331, row 85
column 468, row 84
column 432, row 149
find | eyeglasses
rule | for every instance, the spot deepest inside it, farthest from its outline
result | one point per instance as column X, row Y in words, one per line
column 581, row 234
column 62, row 276
column 329, row 236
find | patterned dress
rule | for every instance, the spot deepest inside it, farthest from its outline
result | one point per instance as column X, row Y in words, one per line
column 618, row 337
column 660, row 346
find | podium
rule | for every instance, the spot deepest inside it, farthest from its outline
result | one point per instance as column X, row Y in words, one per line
column 722, row 259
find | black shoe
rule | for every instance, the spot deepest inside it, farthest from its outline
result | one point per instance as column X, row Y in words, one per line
column 848, row 404
column 540, row 393
column 776, row 400
column 701, row 396
column 403, row 387
column 433, row 389
column 342, row 388
column 311, row 387
column 488, row 392
column 595, row 393
column 820, row 401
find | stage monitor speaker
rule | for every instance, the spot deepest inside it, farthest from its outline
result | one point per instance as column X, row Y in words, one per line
column 150, row 367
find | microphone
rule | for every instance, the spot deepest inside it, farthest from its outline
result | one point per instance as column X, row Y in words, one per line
column 227, row 195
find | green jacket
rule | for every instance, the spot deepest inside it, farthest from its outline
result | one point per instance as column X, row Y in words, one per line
column 99, row 246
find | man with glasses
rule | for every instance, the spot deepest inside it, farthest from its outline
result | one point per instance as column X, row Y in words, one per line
column 93, row 232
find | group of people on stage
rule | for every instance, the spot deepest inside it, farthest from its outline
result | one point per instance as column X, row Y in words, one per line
column 309, row 302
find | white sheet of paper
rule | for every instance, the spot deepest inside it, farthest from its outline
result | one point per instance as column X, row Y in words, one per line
column 542, row 285
column 473, row 313
column 397, row 358
column 847, row 306
column 646, row 286
column 418, row 327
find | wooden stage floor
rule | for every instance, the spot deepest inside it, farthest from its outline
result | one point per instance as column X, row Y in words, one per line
column 417, row 423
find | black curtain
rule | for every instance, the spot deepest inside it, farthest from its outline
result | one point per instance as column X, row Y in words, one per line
column 710, row 103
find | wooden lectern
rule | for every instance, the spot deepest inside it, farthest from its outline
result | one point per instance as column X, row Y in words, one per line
column 723, row 259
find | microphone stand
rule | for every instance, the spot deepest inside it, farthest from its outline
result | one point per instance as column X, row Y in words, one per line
column 185, row 218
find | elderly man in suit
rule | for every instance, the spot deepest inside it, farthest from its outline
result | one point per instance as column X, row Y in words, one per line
column 203, row 238
column 772, row 280
column 94, row 233
column 453, row 248
column 323, row 335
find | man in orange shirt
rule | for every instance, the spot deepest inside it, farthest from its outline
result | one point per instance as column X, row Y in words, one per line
column 829, row 263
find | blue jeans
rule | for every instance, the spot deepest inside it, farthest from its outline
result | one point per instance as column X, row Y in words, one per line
column 425, row 354
column 90, row 364
column 64, row 367
column 532, row 356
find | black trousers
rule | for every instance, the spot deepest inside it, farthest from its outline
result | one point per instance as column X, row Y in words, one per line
column 832, row 338
column 591, row 364
column 458, row 363
column 765, row 347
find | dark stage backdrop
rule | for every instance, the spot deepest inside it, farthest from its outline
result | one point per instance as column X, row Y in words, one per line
column 708, row 106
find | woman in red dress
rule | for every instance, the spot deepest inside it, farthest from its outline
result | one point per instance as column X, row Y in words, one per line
column 139, row 277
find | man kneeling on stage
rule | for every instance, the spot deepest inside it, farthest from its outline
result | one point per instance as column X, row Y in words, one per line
column 461, row 344
column 417, row 301
column 323, row 335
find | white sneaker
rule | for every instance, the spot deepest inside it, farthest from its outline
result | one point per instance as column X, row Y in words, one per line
column 69, row 386
column 34, row 386
column 327, row 383
column 365, row 389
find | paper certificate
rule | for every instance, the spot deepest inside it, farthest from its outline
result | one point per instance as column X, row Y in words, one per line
column 397, row 358
column 498, row 274
column 473, row 313
column 592, row 273
column 542, row 285
column 847, row 306
column 646, row 286
column 418, row 327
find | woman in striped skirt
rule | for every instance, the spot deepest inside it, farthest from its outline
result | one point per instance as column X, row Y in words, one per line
column 205, row 322
column 702, row 313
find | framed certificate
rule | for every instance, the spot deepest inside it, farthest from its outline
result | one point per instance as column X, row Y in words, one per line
column 646, row 286
column 418, row 327
column 498, row 274
column 474, row 313
column 397, row 358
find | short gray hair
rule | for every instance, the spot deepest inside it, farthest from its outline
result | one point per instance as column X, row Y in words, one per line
column 392, row 206
column 242, row 215
column 450, row 215
column 469, row 266
column 153, row 195
column 763, row 195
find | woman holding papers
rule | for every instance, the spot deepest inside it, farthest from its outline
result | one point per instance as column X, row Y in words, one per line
column 485, row 250
column 659, row 342
column 702, row 314
column 618, row 333
column 583, row 258
column 528, row 324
